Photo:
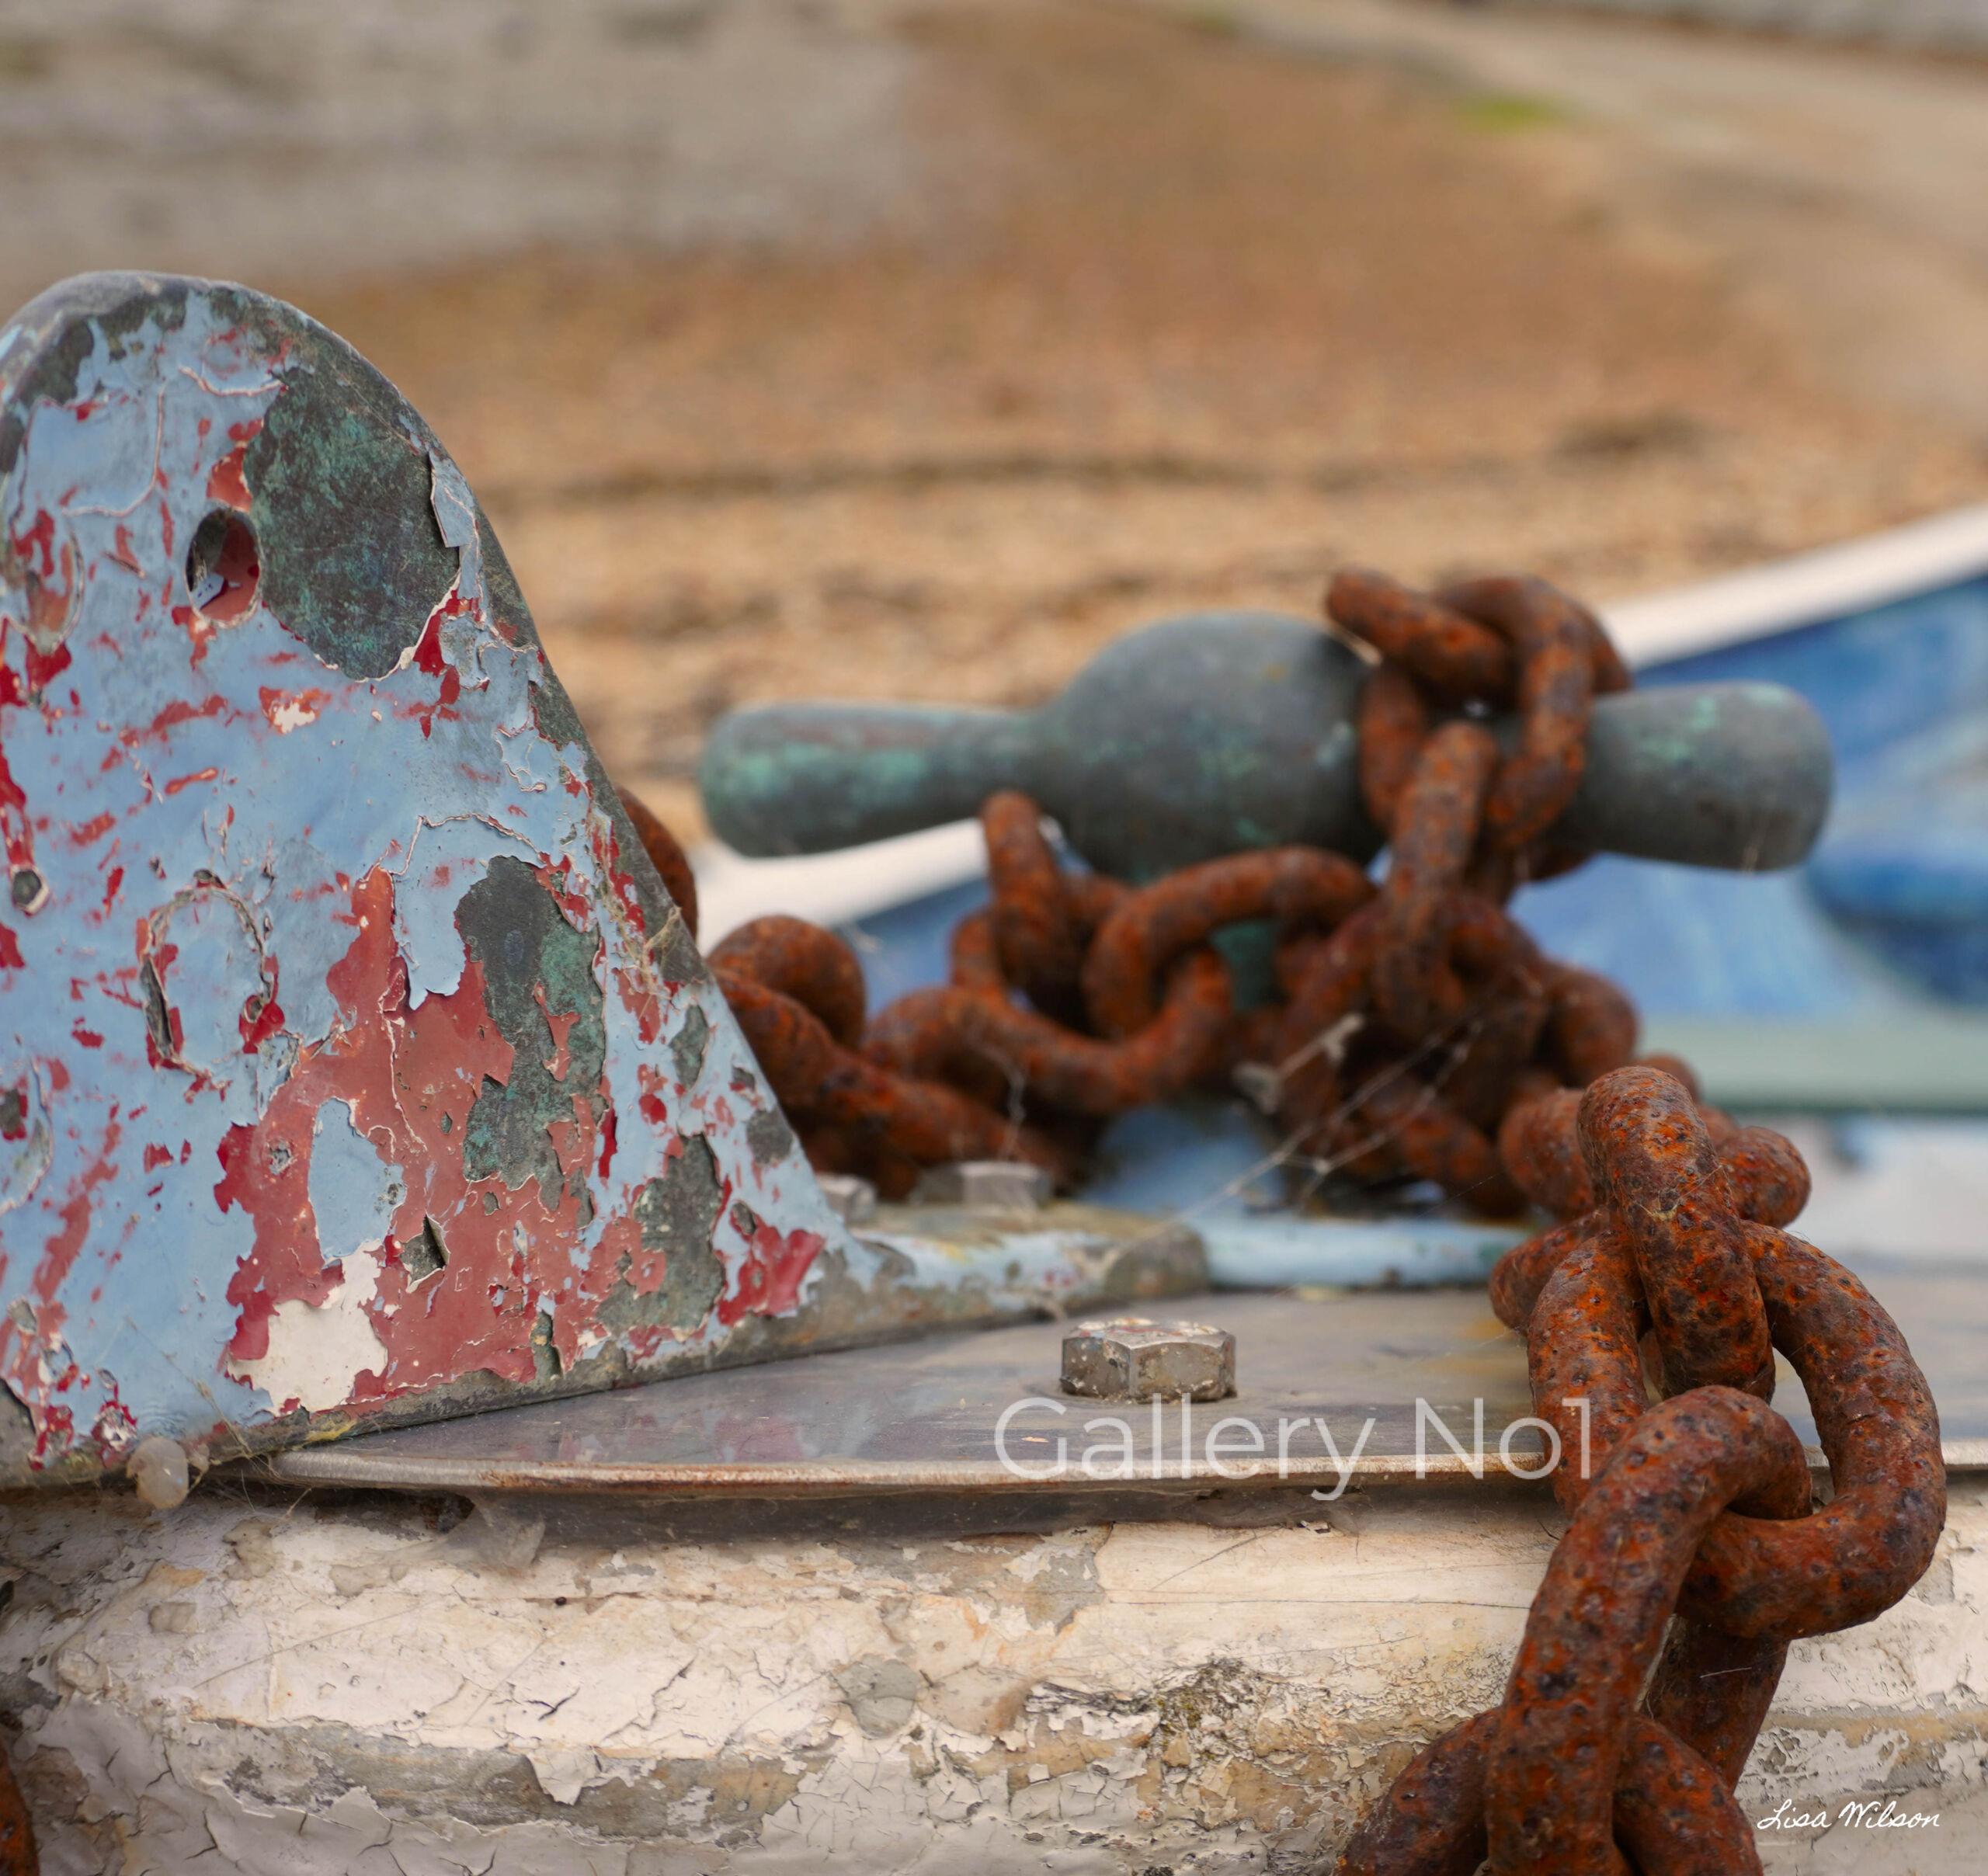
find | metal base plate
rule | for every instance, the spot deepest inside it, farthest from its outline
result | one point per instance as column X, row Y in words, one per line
column 928, row 1416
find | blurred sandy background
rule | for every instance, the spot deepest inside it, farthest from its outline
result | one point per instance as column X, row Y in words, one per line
column 877, row 347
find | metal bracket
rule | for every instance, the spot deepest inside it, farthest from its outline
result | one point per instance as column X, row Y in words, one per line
column 355, row 1066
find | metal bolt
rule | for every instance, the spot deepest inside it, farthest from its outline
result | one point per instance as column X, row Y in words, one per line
column 1000, row 1185
column 1133, row 1359
column 851, row 1200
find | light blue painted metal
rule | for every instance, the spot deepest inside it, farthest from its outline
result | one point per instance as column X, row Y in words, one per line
column 354, row 1066
column 1291, row 1250
column 337, row 1014
column 1214, row 1164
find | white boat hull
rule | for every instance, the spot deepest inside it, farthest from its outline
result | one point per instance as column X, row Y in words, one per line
column 336, row 1690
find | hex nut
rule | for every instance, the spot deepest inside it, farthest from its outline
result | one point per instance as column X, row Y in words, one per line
column 851, row 1200
column 1000, row 1185
column 1131, row 1358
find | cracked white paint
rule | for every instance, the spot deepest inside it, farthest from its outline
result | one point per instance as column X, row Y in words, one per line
column 235, row 1689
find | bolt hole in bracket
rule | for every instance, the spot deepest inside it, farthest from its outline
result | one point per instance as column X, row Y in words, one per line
column 403, row 977
column 224, row 568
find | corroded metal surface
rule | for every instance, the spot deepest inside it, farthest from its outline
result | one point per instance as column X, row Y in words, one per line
column 1392, row 1034
column 1429, row 1036
column 921, row 1416
column 1004, row 1184
column 1402, row 1029
column 1216, row 733
column 926, row 1416
column 354, row 1065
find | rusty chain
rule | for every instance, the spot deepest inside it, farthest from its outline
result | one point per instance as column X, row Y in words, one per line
column 1410, row 1019
column 1416, row 1033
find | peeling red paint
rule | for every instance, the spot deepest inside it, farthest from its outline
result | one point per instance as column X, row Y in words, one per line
column 430, row 659
column 59, row 1252
column 769, row 1278
column 14, row 832
column 558, row 879
column 197, row 627
column 169, row 717
column 115, row 1429
column 262, row 1017
column 469, row 1311
column 225, row 481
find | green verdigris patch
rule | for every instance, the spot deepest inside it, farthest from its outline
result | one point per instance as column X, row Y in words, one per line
column 687, row 1046
column 677, row 1214
column 534, row 965
column 105, row 308
column 340, row 488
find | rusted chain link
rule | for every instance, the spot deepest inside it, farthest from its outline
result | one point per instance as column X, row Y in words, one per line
column 1417, row 1032
column 1151, row 1009
column 1700, row 1506
column 1669, row 1226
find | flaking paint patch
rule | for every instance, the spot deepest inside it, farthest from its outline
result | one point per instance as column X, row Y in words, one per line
column 282, row 1028
column 317, row 1352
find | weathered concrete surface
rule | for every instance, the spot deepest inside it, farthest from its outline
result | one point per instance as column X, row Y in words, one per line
column 318, row 1688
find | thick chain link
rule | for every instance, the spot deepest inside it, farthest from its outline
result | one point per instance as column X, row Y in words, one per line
column 1417, row 1032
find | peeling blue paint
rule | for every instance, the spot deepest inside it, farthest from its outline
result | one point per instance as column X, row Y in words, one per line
column 254, row 862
